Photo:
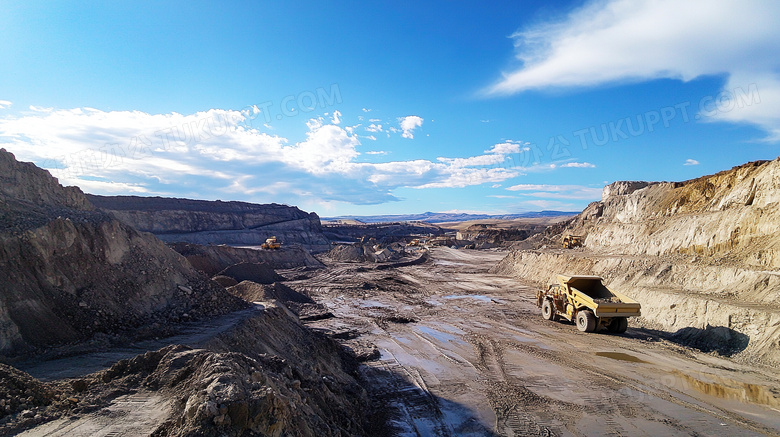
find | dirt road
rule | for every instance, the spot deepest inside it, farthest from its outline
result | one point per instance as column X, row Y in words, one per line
column 465, row 352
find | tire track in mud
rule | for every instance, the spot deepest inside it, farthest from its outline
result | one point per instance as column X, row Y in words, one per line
column 417, row 409
column 508, row 359
column 512, row 402
column 597, row 404
column 618, row 405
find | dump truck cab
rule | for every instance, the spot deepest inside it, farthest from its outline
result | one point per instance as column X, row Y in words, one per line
column 586, row 301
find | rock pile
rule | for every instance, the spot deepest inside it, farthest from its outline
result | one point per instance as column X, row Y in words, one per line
column 367, row 252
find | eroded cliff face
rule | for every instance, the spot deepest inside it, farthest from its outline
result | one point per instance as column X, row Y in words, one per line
column 216, row 222
column 69, row 271
column 701, row 254
column 731, row 215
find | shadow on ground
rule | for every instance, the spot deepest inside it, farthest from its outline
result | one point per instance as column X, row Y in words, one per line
column 720, row 339
column 404, row 409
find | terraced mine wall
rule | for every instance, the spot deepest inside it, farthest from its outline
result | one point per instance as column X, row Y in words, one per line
column 701, row 256
column 216, row 222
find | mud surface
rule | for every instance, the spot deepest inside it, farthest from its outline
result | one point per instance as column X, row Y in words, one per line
column 451, row 349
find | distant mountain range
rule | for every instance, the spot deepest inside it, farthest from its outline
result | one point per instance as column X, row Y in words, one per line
column 440, row 217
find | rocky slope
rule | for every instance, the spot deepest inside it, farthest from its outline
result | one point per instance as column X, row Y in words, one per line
column 217, row 222
column 382, row 232
column 68, row 271
column 485, row 236
column 267, row 376
column 701, row 256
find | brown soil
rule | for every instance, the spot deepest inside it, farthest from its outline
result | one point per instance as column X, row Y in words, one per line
column 460, row 351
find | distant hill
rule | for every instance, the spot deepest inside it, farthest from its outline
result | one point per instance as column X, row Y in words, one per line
column 441, row 217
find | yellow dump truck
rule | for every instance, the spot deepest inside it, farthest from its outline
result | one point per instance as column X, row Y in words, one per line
column 271, row 243
column 586, row 301
column 572, row 241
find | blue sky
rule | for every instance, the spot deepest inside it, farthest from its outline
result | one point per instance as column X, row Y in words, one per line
column 363, row 108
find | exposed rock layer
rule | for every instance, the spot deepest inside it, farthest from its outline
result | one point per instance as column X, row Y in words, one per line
column 216, row 222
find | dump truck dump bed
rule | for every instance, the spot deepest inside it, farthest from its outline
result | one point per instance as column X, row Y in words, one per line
column 590, row 291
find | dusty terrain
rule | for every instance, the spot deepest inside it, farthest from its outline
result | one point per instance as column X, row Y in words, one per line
column 464, row 352
column 447, row 349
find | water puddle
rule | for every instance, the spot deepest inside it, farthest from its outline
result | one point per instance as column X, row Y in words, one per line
column 725, row 388
column 373, row 304
column 447, row 328
column 442, row 337
column 478, row 297
column 443, row 262
column 620, row 356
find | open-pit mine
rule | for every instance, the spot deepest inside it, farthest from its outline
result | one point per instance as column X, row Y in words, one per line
column 126, row 316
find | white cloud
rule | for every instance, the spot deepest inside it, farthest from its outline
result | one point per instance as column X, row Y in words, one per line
column 460, row 177
column 336, row 117
column 558, row 191
column 5, row 104
column 409, row 124
column 638, row 40
column 92, row 186
column 577, row 165
column 40, row 109
column 376, row 152
column 506, row 148
column 691, row 162
column 213, row 153
column 374, row 128
column 366, row 110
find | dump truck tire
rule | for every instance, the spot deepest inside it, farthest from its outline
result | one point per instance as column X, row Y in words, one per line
column 619, row 325
column 586, row 321
column 547, row 310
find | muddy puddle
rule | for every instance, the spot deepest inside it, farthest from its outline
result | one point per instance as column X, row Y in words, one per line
column 479, row 297
column 725, row 388
column 620, row 356
column 440, row 336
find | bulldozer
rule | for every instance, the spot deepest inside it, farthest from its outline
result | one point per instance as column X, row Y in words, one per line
column 271, row 244
column 572, row 241
column 587, row 302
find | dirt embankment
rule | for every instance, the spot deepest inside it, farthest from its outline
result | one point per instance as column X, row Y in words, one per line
column 485, row 236
column 701, row 256
column 70, row 271
column 216, row 222
column 268, row 375
column 382, row 232
column 368, row 252
column 212, row 259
